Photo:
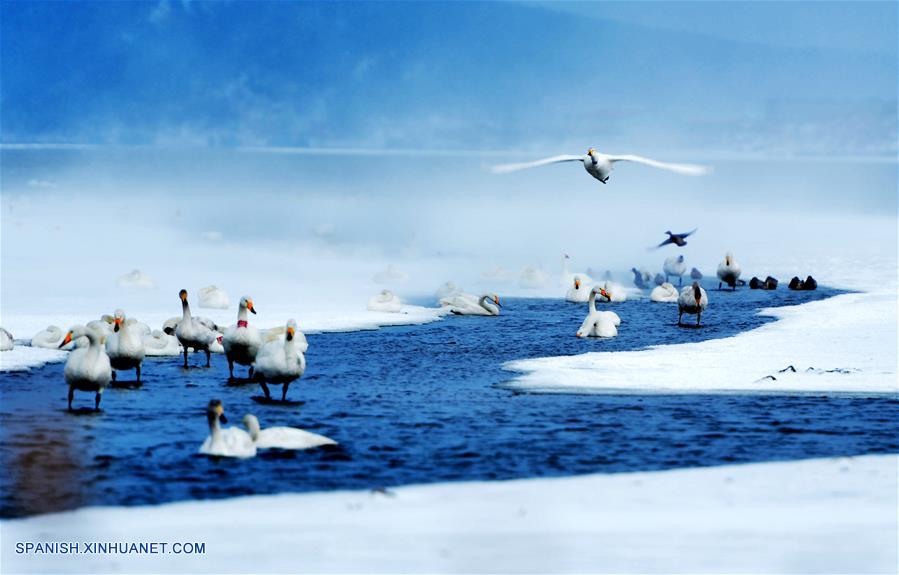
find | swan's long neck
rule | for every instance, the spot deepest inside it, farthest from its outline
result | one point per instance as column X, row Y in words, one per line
column 242, row 315
column 214, row 427
column 185, row 310
column 488, row 305
column 592, row 303
column 253, row 428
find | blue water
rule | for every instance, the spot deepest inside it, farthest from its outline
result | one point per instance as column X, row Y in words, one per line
column 415, row 405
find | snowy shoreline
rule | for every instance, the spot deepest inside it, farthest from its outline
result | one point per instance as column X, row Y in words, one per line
column 815, row 516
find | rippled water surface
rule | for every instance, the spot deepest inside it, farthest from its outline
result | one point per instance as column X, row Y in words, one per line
column 414, row 405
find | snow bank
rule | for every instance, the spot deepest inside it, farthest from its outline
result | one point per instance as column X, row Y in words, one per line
column 22, row 357
column 824, row 515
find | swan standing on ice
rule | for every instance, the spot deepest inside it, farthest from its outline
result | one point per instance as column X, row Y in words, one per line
column 675, row 266
column 280, row 363
column 600, row 165
column 467, row 304
column 386, row 301
column 579, row 292
column 729, row 271
column 87, row 367
column 124, row 346
column 213, row 297
column 283, row 437
column 6, row 340
column 227, row 442
column 692, row 300
column 599, row 323
column 192, row 332
column 665, row 293
column 159, row 343
column 242, row 341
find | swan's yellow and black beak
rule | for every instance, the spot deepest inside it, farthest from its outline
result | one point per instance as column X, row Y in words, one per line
column 183, row 295
column 250, row 306
column 605, row 294
column 118, row 324
column 591, row 151
column 66, row 340
column 577, row 283
column 290, row 333
column 496, row 301
column 220, row 411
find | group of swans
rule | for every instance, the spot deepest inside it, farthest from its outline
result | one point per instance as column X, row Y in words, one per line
column 235, row 442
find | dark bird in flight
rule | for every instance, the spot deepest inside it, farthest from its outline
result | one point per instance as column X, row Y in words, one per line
column 680, row 240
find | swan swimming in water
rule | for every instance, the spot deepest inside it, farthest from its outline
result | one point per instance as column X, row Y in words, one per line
column 241, row 342
column 192, row 332
column 675, row 266
column 579, row 292
column 225, row 442
column 386, row 301
column 280, row 363
column 665, row 293
column 159, row 343
column 283, row 437
column 213, row 297
column 125, row 345
column 599, row 323
column 600, row 165
column 468, row 304
column 6, row 340
column 87, row 367
column 692, row 300
column 729, row 271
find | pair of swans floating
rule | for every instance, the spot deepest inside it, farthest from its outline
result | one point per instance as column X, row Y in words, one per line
column 692, row 300
column 235, row 442
column 468, row 304
column 386, row 301
column 599, row 323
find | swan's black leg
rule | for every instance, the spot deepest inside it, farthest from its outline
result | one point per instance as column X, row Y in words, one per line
column 138, row 373
column 208, row 357
column 251, row 372
column 71, row 397
column 185, row 356
column 680, row 315
column 699, row 315
column 284, row 392
column 113, row 375
column 719, row 285
column 230, row 367
column 265, row 390
column 97, row 401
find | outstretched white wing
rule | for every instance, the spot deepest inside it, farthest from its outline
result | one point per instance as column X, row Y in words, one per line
column 505, row 168
column 686, row 169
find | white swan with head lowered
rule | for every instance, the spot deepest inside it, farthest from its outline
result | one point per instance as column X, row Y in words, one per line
column 468, row 304
column 665, row 293
column 283, row 437
column 241, row 342
column 87, row 367
column 228, row 441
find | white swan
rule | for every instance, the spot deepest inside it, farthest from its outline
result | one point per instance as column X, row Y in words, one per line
column 159, row 343
column 283, row 437
column 665, row 293
column 386, row 301
column 675, row 266
column 600, row 165
column 125, row 345
column 213, row 297
column 227, row 442
column 136, row 279
column 193, row 332
column 6, row 340
column 599, row 323
column 241, row 342
column 468, row 304
column 693, row 300
column 280, row 333
column 616, row 292
column 280, row 363
column 49, row 338
column 729, row 271
column 579, row 292
column 87, row 367
column 448, row 289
